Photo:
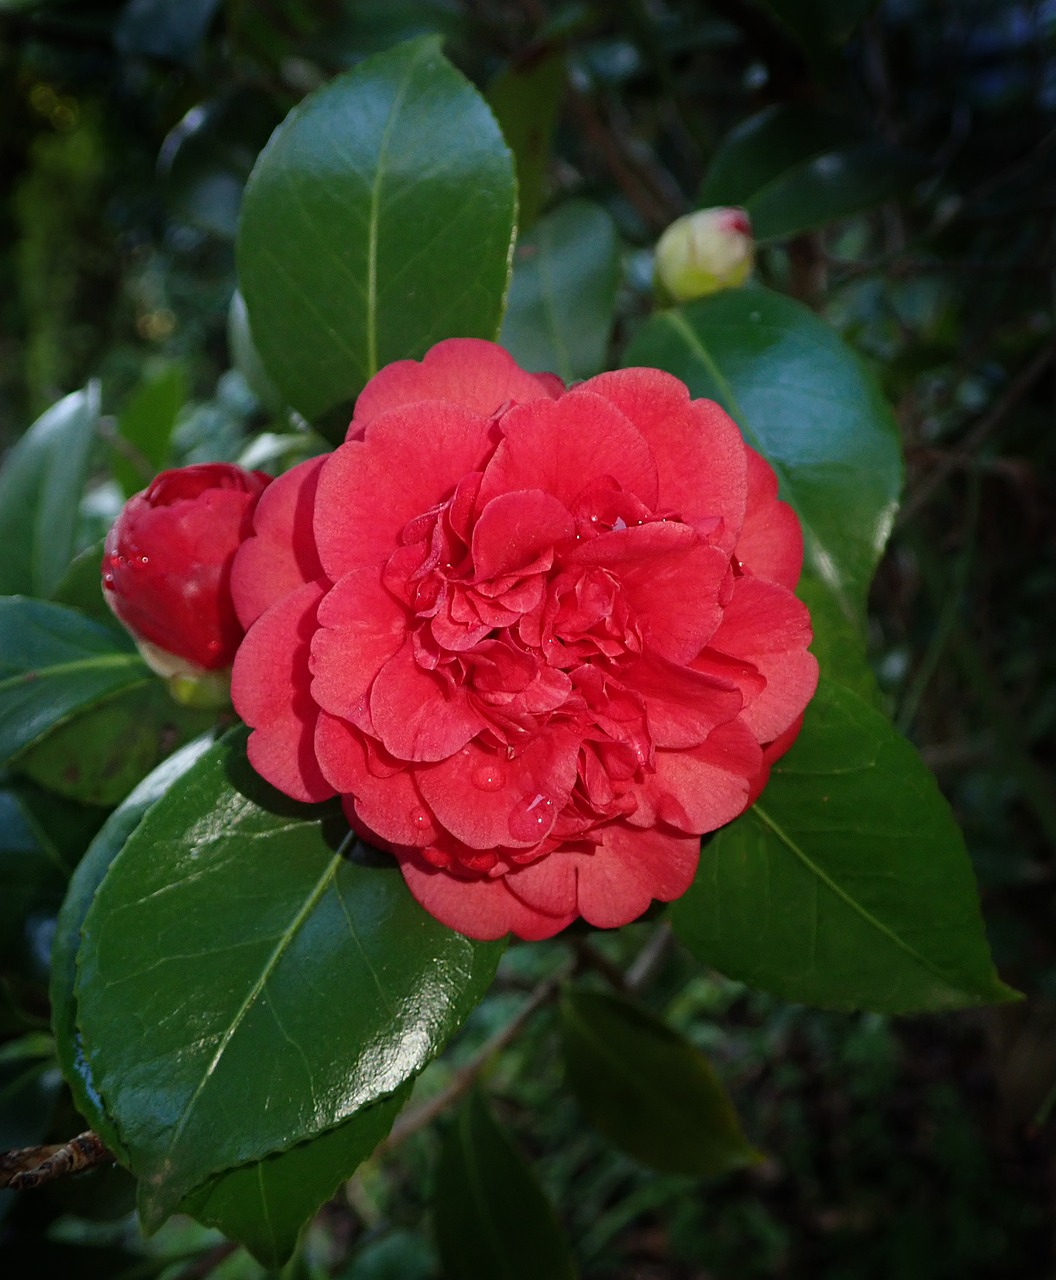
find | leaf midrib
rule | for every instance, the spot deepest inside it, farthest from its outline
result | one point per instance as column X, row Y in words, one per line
column 101, row 662
column 841, row 893
column 267, row 969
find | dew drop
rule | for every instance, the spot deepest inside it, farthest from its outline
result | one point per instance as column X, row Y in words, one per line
column 532, row 817
column 419, row 819
column 489, row 777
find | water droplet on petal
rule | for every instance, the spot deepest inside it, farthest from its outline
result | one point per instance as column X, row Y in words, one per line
column 420, row 819
column 489, row 777
column 532, row 817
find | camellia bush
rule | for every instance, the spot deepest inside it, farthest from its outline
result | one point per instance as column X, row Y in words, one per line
column 520, row 626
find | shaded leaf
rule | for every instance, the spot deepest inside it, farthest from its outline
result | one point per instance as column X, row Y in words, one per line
column 54, row 662
column 146, row 424
column 563, row 293
column 40, row 488
column 803, row 399
column 795, row 168
column 207, row 158
column 98, row 757
column 265, row 1205
column 647, row 1089
column 244, row 957
column 526, row 99
column 492, row 1218
column 377, row 221
column 848, row 884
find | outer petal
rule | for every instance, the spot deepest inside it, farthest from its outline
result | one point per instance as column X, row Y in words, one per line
column 560, row 446
column 410, row 460
column 482, row 909
column 768, row 626
column 771, row 542
column 703, row 788
column 698, row 447
column 270, row 691
column 281, row 555
column 629, row 869
column 360, row 627
column 466, row 371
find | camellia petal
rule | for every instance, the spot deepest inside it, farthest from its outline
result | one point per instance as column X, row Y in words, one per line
column 280, row 708
column 546, row 640
column 280, row 555
column 469, row 372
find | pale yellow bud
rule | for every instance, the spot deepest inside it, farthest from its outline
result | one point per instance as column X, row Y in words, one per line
column 704, row 252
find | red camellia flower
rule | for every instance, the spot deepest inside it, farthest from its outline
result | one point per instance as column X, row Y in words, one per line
column 538, row 640
column 167, row 565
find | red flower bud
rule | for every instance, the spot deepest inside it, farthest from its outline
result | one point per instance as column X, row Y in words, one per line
column 167, row 565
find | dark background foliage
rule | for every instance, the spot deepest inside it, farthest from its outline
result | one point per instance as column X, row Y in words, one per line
column 916, row 1149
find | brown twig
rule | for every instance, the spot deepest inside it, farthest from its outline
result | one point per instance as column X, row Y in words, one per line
column 29, row 1167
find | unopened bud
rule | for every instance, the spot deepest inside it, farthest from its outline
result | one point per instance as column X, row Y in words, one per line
column 704, row 252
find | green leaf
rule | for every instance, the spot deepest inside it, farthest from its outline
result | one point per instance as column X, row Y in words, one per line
column 82, row 585
column 32, row 873
column 146, row 424
column 802, row 398
column 54, row 663
column 262, row 1205
column 848, row 884
column 492, row 1218
column 795, row 168
column 265, row 1205
column 40, row 489
column 98, row 757
column 839, row 642
column 526, row 98
column 378, row 220
column 647, row 1089
column 245, row 957
column 563, row 293
column 82, row 889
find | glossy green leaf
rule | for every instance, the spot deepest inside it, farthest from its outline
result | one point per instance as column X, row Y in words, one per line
column 526, row 99
column 647, row 1089
column 32, row 874
column 491, row 1217
column 848, row 884
column 563, row 293
column 265, row 1205
column 795, row 168
column 803, row 399
column 262, row 1205
column 244, row 956
column 378, row 220
column 82, row 889
column 54, row 663
column 839, row 642
column 145, row 426
column 246, row 359
column 40, row 488
column 98, row 757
